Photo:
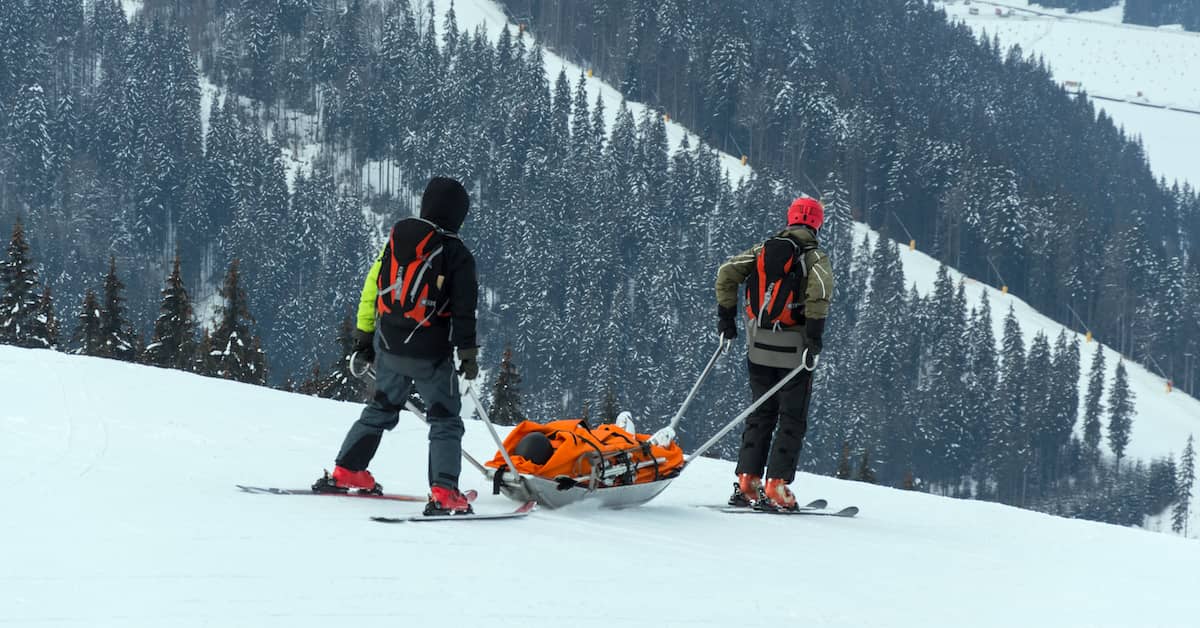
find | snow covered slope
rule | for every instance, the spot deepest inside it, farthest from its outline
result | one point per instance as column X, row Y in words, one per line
column 1151, row 66
column 1162, row 422
column 120, row 511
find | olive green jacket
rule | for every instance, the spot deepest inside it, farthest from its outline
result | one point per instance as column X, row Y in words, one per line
column 734, row 272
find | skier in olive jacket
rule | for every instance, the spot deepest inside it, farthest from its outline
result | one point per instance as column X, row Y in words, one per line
column 411, row 344
column 774, row 433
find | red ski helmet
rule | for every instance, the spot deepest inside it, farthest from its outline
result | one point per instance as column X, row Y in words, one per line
column 806, row 211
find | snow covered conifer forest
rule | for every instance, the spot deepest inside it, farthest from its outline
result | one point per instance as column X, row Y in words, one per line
column 268, row 144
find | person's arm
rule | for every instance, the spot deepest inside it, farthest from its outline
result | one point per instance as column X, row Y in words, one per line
column 732, row 274
column 370, row 289
column 816, row 301
column 820, row 286
column 464, row 297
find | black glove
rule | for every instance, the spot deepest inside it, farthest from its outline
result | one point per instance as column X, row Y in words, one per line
column 364, row 346
column 468, row 367
column 726, row 326
column 814, row 329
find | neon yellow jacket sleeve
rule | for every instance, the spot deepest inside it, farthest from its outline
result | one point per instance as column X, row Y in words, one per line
column 366, row 302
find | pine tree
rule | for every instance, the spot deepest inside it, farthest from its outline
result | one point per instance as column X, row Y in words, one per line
column 865, row 472
column 174, row 342
column 506, row 392
column 843, row 468
column 1064, row 405
column 87, row 339
column 1120, row 414
column 235, row 352
column 117, row 338
column 29, row 144
column 44, row 333
column 982, row 383
column 1008, row 450
column 340, row 383
column 19, row 301
column 203, row 362
column 610, row 409
column 1037, row 425
column 1093, row 408
column 1186, row 480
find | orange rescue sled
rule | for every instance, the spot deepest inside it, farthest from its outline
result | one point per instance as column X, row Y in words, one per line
column 585, row 460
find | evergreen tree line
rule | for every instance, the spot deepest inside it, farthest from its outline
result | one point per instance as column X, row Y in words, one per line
column 1079, row 5
column 105, row 155
column 1159, row 12
column 972, row 150
column 230, row 350
column 919, row 390
column 1145, row 12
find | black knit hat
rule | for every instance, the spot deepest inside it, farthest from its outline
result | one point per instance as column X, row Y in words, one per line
column 445, row 203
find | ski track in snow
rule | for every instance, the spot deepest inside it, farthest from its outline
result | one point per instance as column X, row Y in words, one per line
column 156, row 534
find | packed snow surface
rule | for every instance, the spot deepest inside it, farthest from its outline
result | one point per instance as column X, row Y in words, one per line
column 1110, row 60
column 122, row 512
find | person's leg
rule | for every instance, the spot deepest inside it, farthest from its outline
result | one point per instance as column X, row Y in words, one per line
column 382, row 413
column 756, row 436
column 793, row 424
column 437, row 383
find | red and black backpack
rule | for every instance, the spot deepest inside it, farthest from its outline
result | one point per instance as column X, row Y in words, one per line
column 775, row 290
column 412, row 277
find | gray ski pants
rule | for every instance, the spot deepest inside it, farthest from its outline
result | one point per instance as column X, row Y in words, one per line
column 395, row 376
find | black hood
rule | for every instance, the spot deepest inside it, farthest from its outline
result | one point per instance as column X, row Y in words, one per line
column 445, row 203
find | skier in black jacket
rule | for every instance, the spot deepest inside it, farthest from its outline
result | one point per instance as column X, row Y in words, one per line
column 417, row 306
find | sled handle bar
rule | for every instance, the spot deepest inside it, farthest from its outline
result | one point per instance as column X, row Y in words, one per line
column 495, row 436
column 721, row 347
column 408, row 405
column 804, row 366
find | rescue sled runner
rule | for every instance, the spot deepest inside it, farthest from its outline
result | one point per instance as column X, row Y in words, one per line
column 563, row 462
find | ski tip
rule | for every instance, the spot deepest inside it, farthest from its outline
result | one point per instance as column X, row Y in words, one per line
column 389, row 519
column 816, row 504
column 848, row 511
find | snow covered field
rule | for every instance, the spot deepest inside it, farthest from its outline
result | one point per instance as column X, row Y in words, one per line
column 1113, row 60
column 122, row 512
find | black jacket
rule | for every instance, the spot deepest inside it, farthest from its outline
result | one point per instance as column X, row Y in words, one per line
column 445, row 204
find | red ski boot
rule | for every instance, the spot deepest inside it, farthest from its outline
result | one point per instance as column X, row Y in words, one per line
column 344, row 479
column 447, row 501
column 745, row 490
column 777, row 496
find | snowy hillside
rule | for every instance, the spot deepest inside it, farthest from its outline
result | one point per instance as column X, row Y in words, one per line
column 1111, row 61
column 1162, row 423
column 123, row 513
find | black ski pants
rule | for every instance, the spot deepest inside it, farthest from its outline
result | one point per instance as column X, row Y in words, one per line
column 395, row 376
column 774, row 433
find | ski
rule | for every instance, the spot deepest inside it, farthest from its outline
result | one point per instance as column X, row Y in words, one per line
column 848, row 511
column 264, row 490
column 521, row 511
column 816, row 504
